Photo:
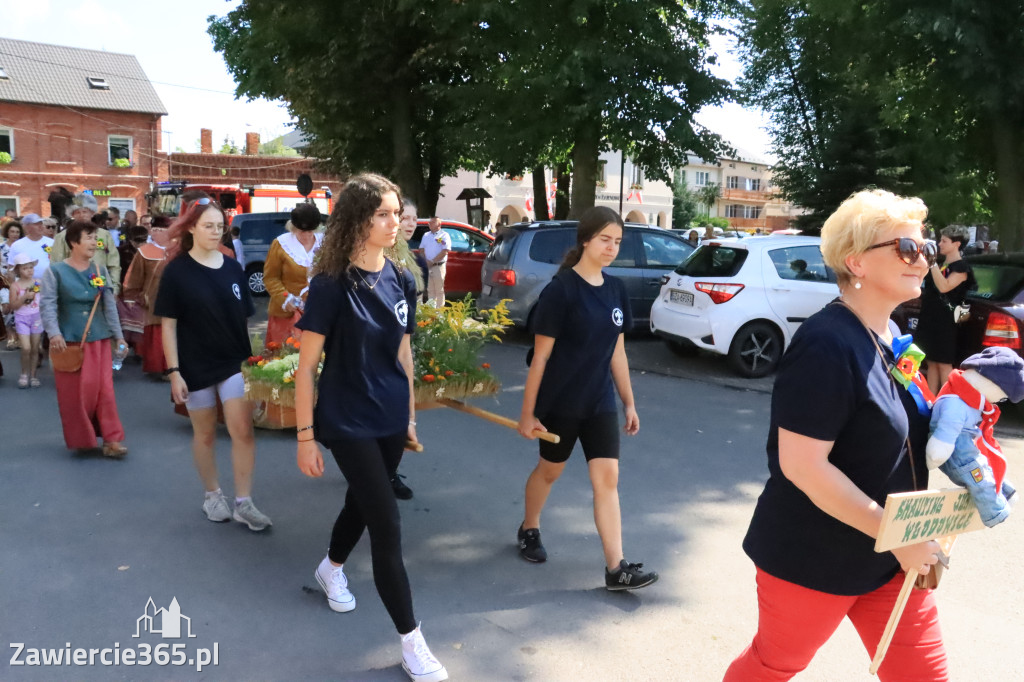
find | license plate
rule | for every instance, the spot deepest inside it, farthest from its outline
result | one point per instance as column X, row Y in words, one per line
column 681, row 297
column 911, row 323
column 487, row 289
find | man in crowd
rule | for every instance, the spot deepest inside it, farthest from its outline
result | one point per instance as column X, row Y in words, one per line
column 34, row 244
column 114, row 224
column 436, row 246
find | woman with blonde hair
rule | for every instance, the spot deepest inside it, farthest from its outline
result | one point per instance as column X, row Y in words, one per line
column 844, row 435
column 288, row 269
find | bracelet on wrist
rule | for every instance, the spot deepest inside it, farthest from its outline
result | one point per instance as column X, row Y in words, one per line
column 412, row 422
column 304, row 428
column 171, row 370
column 305, row 440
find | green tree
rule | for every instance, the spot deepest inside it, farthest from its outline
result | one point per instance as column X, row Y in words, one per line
column 708, row 194
column 684, row 203
column 276, row 147
column 229, row 146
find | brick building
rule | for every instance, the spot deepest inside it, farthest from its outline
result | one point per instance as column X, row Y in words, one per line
column 81, row 120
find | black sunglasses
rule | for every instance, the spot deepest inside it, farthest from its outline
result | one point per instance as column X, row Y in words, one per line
column 909, row 250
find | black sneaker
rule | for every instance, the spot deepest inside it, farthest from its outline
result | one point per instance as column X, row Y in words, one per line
column 628, row 577
column 402, row 491
column 530, row 547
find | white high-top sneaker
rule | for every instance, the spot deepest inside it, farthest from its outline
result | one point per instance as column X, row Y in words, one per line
column 417, row 660
column 332, row 579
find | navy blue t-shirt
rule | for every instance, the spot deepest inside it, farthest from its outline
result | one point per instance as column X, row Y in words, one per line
column 585, row 322
column 211, row 306
column 363, row 390
column 833, row 386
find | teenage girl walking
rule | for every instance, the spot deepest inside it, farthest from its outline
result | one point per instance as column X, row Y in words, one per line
column 360, row 314
column 579, row 354
column 28, row 323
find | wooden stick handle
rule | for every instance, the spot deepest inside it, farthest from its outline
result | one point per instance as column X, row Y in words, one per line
column 494, row 418
column 415, row 447
column 894, row 619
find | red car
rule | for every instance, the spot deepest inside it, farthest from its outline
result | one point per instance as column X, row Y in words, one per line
column 997, row 306
column 465, row 260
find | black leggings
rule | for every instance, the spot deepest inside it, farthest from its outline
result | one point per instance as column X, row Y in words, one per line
column 368, row 466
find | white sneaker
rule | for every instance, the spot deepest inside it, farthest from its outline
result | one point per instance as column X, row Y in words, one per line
column 332, row 579
column 216, row 508
column 248, row 514
column 418, row 662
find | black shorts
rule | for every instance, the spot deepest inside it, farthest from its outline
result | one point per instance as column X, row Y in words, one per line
column 598, row 434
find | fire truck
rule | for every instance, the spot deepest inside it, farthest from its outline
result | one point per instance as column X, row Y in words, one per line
column 165, row 200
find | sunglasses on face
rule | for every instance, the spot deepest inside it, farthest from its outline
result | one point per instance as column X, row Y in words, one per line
column 909, row 250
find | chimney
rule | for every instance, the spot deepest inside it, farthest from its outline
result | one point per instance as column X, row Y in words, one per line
column 252, row 144
column 205, row 141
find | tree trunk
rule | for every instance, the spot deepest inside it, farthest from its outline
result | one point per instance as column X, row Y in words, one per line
column 432, row 191
column 406, row 170
column 584, row 168
column 563, row 178
column 540, row 194
column 1009, row 184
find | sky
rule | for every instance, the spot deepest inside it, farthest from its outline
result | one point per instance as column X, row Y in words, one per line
column 176, row 53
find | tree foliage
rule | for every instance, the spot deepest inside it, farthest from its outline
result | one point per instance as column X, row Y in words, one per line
column 684, row 203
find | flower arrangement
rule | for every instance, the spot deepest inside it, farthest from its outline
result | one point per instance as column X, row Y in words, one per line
column 446, row 346
column 35, row 287
column 270, row 374
column 5, row 158
column 98, row 282
column 122, row 163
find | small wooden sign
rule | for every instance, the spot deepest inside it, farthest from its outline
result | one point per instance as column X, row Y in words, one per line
column 915, row 517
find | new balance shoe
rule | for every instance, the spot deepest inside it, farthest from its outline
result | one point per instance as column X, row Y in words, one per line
column 216, row 508
column 402, row 491
column 247, row 513
column 335, row 585
column 418, row 662
column 628, row 577
column 530, row 547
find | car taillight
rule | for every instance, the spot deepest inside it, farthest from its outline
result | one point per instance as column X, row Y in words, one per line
column 505, row 278
column 664, row 280
column 1001, row 330
column 719, row 293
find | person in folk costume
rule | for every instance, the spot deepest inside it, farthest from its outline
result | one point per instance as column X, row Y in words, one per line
column 287, row 271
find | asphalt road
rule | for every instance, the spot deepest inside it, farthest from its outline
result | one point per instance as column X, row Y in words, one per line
column 87, row 541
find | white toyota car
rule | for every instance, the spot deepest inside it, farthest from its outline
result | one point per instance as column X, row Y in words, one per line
column 744, row 298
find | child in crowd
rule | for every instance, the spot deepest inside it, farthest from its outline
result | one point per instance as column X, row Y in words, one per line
column 27, row 322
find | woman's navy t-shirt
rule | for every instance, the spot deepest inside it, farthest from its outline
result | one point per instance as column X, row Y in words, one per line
column 833, row 386
column 585, row 321
column 211, row 306
column 363, row 390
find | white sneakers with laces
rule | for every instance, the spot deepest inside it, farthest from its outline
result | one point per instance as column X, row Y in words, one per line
column 418, row 662
column 335, row 585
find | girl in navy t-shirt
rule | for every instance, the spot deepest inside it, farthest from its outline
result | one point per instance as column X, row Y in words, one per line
column 579, row 354
column 360, row 315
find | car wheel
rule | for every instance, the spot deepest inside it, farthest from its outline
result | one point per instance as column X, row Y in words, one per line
column 756, row 350
column 254, row 277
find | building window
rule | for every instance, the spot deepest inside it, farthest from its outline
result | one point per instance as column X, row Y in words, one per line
column 742, row 211
column 3, row 74
column 754, row 184
column 732, row 182
column 97, row 83
column 119, row 147
column 600, row 176
column 636, row 176
column 7, row 141
column 701, row 178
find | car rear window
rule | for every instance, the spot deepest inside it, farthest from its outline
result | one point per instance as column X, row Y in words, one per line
column 713, row 260
column 261, row 231
column 501, row 252
column 998, row 282
column 550, row 246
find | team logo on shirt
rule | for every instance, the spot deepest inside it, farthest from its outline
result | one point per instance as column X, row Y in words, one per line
column 402, row 312
column 617, row 317
column 236, row 291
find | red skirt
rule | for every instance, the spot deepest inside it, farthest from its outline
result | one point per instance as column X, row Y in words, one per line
column 86, row 399
column 280, row 328
column 152, row 350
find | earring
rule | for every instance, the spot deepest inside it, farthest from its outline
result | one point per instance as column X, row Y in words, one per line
column 856, row 285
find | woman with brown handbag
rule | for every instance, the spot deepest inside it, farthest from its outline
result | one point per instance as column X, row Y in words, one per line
column 80, row 316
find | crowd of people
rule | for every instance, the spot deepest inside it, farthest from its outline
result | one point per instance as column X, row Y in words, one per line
column 843, row 433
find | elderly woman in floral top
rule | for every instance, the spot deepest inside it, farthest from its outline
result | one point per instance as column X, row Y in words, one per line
column 85, row 397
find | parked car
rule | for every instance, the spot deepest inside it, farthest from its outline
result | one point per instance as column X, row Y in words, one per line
column 526, row 256
column 469, row 247
column 997, row 306
column 744, row 298
column 257, row 232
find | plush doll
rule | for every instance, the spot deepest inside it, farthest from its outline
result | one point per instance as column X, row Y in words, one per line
column 961, row 444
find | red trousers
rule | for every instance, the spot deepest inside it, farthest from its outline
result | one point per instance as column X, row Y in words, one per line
column 86, row 399
column 794, row 622
column 152, row 350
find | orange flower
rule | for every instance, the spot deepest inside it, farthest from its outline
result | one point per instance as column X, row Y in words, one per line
column 486, row 365
column 273, row 345
column 429, row 378
column 449, row 350
column 440, row 377
column 448, row 373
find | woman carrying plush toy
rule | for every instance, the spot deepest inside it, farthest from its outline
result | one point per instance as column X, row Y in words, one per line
column 843, row 436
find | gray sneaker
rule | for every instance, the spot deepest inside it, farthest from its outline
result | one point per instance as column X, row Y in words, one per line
column 217, row 509
column 248, row 514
